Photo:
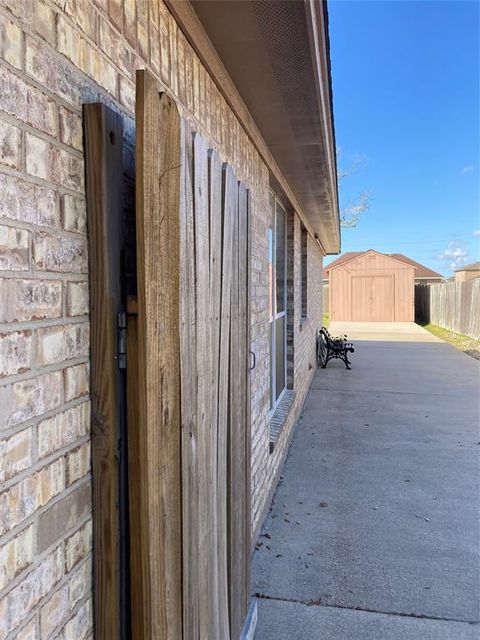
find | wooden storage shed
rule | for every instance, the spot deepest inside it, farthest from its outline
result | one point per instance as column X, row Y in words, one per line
column 372, row 287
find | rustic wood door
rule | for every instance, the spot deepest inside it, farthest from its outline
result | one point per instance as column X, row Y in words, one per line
column 189, row 385
column 373, row 298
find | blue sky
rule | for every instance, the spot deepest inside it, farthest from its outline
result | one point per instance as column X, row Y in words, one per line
column 406, row 99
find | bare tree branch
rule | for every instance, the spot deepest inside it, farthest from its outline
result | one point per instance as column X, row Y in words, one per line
column 357, row 163
column 351, row 214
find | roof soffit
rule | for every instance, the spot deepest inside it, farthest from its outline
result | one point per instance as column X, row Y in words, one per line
column 283, row 78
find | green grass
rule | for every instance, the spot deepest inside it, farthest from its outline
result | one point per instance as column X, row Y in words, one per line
column 458, row 340
column 326, row 320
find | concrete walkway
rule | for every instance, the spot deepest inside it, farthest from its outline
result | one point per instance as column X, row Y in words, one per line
column 374, row 530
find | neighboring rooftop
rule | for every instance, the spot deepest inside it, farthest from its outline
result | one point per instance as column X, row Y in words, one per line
column 421, row 271
column 475, row 266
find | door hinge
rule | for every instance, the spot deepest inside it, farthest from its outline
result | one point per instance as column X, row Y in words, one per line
column 122, row 339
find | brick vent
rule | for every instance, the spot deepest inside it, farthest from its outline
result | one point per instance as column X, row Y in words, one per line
column 280, row 416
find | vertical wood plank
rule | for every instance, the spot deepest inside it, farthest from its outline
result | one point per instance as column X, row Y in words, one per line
column 103, row 146
column 159, row 558
column 235, row 443
column 188, row 350
column 134, row 465
column 204, row 426
column 219, row 618
column 220, row 247
column 242, row 480
column 239, row 539
column 245, row 297
column 229, row 184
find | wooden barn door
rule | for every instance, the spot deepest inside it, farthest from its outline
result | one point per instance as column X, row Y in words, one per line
column 373, row 298
column 188, row 385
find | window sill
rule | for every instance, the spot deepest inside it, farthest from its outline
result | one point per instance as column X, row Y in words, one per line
column 279, row 417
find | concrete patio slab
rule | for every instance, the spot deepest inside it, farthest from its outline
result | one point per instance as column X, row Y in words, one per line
column 408, row 331
column 279, row 620
column 378, row 506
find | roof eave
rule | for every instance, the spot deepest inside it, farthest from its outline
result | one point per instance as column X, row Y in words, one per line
column 317, row 22
column 309, row 184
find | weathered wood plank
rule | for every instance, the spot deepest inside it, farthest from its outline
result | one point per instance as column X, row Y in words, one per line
column 219, row 573
column 188, row 350
column 205, row 454
column 229, row 183
column 243, row 463
column 239, row 537
column 158, row 560
column 245, row 297
column 235, row 441
column 103, row 146
column 134, row 469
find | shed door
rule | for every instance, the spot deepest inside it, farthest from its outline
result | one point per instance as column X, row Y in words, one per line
column 373, row 299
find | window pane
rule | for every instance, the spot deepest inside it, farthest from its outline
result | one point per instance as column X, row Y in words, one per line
column 279, row 356
column 270, row 274
column 304, row 266
column 280, row 266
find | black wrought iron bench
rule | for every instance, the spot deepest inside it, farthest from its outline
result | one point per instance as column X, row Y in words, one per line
column 329, row 348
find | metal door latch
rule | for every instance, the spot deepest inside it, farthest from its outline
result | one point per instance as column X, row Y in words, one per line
column 122, row 339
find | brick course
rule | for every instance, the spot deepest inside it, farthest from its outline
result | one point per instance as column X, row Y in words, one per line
column 54, row 56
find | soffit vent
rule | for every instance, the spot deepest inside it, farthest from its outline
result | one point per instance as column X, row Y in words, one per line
column 280, row 24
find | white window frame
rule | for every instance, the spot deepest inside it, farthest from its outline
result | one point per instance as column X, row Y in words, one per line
column 273, row 314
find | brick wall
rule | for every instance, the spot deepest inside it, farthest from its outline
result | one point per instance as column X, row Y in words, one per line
column 54, row 56
column 266, row 466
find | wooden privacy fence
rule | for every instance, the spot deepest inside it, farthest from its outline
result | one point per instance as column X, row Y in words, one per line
column 326, row 298
column 171, row 509
column 191, row 492
column 451, row 305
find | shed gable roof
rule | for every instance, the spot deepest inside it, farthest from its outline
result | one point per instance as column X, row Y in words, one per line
column 421, row 271
column 362, row 254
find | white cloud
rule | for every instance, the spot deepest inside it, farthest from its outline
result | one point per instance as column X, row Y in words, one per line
column 476, row 232
column 454, row 254
column 468, row 169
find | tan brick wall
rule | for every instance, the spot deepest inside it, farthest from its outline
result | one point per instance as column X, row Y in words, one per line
column 266, row 466
column 54, row 56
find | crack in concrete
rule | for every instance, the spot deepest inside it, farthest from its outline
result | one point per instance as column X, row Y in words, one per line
column 349, row 391
column 400, row 614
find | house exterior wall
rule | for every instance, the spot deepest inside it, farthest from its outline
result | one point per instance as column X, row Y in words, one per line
column 266, row 466
column 465, row 276
column 428, row 280
column 400, row 307
column 54, row 56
